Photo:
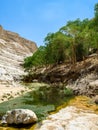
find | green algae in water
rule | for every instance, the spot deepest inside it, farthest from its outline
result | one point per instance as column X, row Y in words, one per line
column 41, row 99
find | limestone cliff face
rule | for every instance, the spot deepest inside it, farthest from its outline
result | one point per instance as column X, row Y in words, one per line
column 13, row 50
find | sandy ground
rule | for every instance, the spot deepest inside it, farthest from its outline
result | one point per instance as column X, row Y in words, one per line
column 12, row 90
column 8, row 92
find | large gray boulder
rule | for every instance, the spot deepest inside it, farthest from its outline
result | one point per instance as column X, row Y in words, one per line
column 19, row 116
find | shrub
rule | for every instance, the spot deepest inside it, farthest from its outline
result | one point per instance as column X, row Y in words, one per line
column 68, row 92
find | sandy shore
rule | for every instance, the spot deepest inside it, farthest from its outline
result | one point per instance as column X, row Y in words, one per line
column 8, row 92
column 12, row 90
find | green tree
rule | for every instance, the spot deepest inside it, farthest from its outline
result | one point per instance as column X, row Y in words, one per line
column 37, row 59
column 72, row 42
column 55, row 48
column 96, row 25
column 73, row 30
column 96, row 10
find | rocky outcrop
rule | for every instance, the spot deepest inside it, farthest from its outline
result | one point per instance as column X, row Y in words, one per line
column 13, row 50
column 19, row 116
column 71, row 118
column 85, row 85
column 81, row 77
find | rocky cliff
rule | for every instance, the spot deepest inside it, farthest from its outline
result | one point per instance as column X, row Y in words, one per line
column 13, row 50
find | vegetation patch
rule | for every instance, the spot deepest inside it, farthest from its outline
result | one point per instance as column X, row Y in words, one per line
column 41, row 100
column 71, row 43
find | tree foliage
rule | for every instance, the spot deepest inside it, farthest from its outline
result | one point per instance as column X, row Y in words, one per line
column 74, row 41
column 38, row 58
column 55, row 48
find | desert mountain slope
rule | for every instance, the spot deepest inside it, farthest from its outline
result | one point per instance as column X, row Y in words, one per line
column 13, row 49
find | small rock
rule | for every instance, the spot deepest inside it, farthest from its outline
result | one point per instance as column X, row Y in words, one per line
column 94, row 83
column 19, row 116
column 96, row 99
column 35, row 81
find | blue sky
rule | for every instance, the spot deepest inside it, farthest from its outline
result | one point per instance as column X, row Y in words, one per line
column 34, row 19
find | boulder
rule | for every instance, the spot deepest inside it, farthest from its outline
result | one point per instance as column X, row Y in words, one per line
column 96, row 99
column 19, row 116
column 85, row 85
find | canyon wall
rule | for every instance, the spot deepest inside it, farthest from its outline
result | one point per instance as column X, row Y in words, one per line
column 13, row 50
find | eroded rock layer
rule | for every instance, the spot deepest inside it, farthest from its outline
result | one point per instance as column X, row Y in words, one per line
column 13, row 50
